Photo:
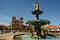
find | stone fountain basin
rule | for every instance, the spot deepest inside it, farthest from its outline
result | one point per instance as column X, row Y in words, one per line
column 27, row 37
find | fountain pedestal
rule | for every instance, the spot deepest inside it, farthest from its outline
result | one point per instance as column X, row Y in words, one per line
column 37, row 26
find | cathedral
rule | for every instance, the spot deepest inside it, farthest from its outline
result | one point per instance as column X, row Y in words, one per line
column 17, row 24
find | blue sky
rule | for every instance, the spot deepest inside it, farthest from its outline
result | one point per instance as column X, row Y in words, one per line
column 10, row 8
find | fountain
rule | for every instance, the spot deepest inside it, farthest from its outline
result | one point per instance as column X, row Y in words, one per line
column 37, row 23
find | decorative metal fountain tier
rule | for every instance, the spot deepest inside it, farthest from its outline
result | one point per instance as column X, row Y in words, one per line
column 40, row 21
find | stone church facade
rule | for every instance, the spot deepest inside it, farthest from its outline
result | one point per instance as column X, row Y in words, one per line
column 17, row 24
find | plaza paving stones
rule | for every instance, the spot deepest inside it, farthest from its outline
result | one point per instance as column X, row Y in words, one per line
column 9, row 36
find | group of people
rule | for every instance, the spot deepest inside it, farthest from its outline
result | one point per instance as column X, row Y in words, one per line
column 25, row 28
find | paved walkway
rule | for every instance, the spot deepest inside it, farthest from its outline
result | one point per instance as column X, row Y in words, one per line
column 9, row 36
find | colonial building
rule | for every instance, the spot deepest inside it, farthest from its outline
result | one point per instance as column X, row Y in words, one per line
column 17, row 24
column 51, row 28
